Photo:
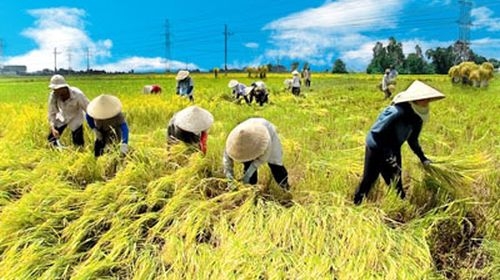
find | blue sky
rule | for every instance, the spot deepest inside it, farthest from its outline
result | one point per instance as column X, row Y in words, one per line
column 125, row 35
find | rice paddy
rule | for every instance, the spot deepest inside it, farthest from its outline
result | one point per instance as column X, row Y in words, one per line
column 167, row 212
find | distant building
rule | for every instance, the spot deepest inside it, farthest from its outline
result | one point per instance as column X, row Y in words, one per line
column 13, row 70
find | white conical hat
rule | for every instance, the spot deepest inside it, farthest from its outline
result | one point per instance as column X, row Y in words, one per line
column 418, row 91
column 232, row 83
column 181, row 75
column 295, row 72
column 247, row 141
column 104, row 107
column 193, row 119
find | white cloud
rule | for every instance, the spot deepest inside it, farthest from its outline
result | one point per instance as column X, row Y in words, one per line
column 252, row 45
column 487, row 47
column 483, row 18
column 440, row 2
column 317, row 35
column 144, row 64
column 63, row 30
column 60, row 30
column 342, row 16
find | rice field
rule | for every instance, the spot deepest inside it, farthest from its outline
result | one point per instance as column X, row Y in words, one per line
column 166, row 211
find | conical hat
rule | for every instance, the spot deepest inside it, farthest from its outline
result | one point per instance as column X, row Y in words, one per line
column 295, row 72
column 247, row 141
column 232, row 83
column 104, row 107
column 193, row 119
column 418, row 91
column 181, row 75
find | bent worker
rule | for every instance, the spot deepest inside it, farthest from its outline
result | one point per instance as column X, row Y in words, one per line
column 253, row 143
column 239, row 90
column 185, row 85
column 402, row 121
column 66, row 108
column 258, row 91
column 296, row 82
column 106, row 119
column 190, row 126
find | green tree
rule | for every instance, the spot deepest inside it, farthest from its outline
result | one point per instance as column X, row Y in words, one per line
column 384, row 57
column 442, row 59
column 416, row 64
column 378, row 58
column 496, row 63
column 339, row 66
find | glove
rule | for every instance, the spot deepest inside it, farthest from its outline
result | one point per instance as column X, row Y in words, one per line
column 426, row 162
column 231, row 185
column 392, row 161
column 123, row 148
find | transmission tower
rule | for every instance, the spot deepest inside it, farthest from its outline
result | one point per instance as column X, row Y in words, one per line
column 88, row 59
column 464, row 25
column 1, row 53
column 69, row 59
column 55, row 59
column 167, row 45
column 226, row 35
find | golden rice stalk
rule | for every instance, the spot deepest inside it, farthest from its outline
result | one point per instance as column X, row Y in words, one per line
column 457, row 176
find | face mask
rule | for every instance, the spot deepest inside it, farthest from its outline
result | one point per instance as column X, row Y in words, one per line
column 422, row 112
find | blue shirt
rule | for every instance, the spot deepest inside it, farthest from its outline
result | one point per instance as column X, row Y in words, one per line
column 395, row 125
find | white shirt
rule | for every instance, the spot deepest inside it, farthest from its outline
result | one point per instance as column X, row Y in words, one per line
column 273, row 153
column 70, row 112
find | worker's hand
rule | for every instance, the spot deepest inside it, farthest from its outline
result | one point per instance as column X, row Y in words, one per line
column 392, row 161
column 123, row 148
column 426, row 162
column 54, row 132
column 97, row 133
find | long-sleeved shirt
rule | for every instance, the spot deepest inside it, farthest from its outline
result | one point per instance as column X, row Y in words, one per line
column 109, row 130
column 385, row 81
column 395, row 125
column 273, row 153
column 296, row 81
column 185, row 87
column 239, row 90
column 69, row 112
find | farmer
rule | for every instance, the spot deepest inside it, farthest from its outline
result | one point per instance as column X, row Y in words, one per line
column 190, row 126
column 385, row 86
column 253, row 143
column 296, row 83
column 106, row 119
column 66, row 108
column 258, row 91
column 239, row 90
column 393, row 74
column 306, row 73
column 185, row 85
column 402, row 121
column 154, row 89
